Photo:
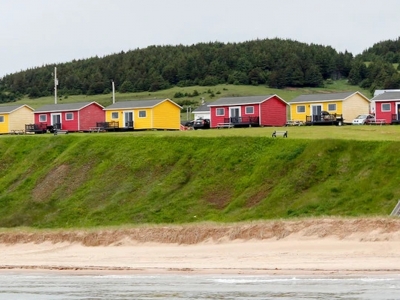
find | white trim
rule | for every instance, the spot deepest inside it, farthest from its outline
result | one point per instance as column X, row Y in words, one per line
column 219, row 115
column 249, row 106
column 66, row 119
column 55, row 114
column 113, row 112
column 45, row 117
column 301, row 112
column 2, row 117
column 123, row 116
column 390, row 107
column 332, row 109
column 311, row 109
column 235, row 107
column 145, row 113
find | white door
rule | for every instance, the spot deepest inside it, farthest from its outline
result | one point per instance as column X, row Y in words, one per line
column 56, row 120
column 128, row 119
column 316, row 112
column 234, row 114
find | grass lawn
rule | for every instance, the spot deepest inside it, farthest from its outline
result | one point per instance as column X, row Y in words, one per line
column 347, row 132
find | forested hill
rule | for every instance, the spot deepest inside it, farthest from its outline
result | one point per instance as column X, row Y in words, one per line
column 276, row 63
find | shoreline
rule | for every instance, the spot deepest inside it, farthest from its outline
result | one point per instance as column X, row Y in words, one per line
column 312, row 247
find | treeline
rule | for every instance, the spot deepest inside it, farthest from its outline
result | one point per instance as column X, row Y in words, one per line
column 277, row 63
column 377, row 67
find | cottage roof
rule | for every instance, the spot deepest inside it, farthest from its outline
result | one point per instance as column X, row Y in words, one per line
column 323, row 97
column 202, row 108
column 11, row 108
column 64, row 107
column 378, row 92
column 242, row 100
column 137, row 104
column 387, row 96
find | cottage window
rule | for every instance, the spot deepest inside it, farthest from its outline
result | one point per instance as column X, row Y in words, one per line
column 1, row 119
column 42, row 118
column 114, row 115
column 142, row 114
column 249, row 110
column 332, row 107
column 301, row 108
column 69, row 116
column 385, row 107
column 220, row 112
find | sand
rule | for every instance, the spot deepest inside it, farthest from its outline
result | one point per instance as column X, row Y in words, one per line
column 303, row 247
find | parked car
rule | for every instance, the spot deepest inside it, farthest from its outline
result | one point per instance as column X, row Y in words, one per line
column 188, row 123
column 363, row 119
column 201, row 124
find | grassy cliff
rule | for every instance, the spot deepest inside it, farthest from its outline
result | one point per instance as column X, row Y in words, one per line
column 86, row 180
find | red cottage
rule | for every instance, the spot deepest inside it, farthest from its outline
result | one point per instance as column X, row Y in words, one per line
column 386, row 107
column 70, row 116
column 270, row 110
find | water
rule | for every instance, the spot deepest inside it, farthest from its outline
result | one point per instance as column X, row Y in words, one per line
column 55, row 286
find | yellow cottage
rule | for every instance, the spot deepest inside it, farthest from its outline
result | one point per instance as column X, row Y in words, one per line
column 145, row 114
column 348, row 104
column 13, row 118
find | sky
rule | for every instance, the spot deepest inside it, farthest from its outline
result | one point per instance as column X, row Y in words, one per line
column 34, row 33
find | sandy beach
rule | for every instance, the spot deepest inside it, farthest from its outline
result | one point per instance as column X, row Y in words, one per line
column 308, row 247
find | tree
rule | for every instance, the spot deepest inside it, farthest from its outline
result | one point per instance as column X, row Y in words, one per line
column 313, row 77
column 126, row 87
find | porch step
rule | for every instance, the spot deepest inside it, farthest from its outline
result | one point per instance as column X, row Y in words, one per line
column 225, row 125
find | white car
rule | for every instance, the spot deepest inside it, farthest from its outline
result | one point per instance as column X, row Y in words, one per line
column 363, row 119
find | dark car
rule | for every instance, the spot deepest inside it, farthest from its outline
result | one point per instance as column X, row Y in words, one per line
column 188, row 123
column 201, row 124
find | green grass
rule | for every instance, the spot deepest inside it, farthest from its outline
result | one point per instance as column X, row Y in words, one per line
column 219, row 91
column 158, row 177
column 347, row 132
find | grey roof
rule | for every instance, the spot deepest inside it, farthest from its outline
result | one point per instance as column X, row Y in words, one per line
column 63, row 107
column 137, row 104
column 378, row 92
column 202, row 108
column 11, row 108
column 240, row 100
column 322, row 97
column 387, row 96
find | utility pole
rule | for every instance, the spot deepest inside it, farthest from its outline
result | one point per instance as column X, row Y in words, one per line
column 113, row 91
column 55, row 85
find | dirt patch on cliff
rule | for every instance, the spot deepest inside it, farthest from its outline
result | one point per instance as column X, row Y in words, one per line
column 368, row 229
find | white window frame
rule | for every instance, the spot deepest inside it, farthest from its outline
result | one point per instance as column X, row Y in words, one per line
column 142, row 111
column 218, row 111
column 249, row 113
column 2, row 119
column 301, row 112
column 40, row 118
column 69, row 119
column 332, row 104
column 386, row 110
column 112, row 115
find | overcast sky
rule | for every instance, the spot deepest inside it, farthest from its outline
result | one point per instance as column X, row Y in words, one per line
column 39, row 32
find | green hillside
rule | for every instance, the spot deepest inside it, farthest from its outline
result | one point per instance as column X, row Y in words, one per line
column 85, row 180
column 208, row 93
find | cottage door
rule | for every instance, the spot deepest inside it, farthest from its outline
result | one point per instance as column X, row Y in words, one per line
column 56, row 121
column 398, row 111
column 234, row 115
column 128, row 119
column 316, row 112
